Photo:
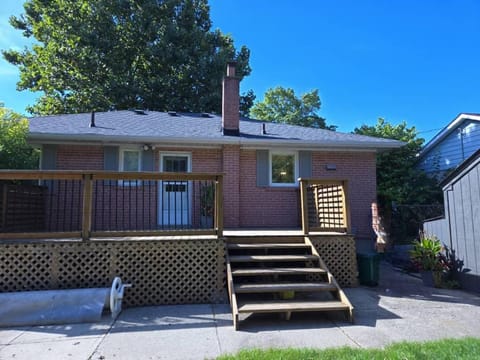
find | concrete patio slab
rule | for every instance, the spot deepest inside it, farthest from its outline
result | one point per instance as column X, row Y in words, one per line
column 400, row 308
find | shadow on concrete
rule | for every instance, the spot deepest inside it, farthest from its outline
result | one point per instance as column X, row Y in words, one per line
column 396, row 283
column 394, row 296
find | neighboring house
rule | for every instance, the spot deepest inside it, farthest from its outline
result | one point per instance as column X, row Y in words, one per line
column 460, row 229
column 261, row 161
column 455, row 143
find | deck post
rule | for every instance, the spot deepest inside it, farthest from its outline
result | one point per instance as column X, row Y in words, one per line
column 304, row 204
column 87, row 206
column 219, row 206
column 346, row 208
column 3, row 223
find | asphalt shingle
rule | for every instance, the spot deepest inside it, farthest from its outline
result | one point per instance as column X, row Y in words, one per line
column 132, row 126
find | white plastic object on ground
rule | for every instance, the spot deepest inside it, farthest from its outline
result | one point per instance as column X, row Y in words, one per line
column 116, row 296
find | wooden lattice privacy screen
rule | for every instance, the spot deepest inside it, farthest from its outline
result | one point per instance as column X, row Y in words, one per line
column 161, row 271
column 339, row 255
column 327, row 207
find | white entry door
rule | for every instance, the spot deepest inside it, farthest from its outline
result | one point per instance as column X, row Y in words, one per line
column 175, row 196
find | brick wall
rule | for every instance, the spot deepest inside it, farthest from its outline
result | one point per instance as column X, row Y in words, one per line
column 359, row 168
column 265, row 206
column 78, row 157
column 231, row 185
column 247, row 205
column 280, row 207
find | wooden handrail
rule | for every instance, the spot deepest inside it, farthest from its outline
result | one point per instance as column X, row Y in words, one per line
column 304, row 204
column 87, row 206
column 101, row 175
column 219, row 206
column 87, row 179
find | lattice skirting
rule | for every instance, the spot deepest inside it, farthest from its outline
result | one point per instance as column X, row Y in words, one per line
column 339, row 254
column 161, row 271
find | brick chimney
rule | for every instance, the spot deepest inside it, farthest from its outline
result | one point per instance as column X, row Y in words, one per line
column 231, row 102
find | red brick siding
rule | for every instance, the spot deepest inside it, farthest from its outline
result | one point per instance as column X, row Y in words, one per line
column 265, row 206
column 78, row 157
column 279, row 207
column 231, row 186
column 245, row 204
column 359, row 168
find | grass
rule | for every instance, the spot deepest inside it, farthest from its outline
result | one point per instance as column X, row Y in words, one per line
column 467, row 348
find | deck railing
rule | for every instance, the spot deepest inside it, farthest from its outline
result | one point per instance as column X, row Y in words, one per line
column 324, row 206
column 54, row 204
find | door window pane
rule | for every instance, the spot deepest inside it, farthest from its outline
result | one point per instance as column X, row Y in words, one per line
column 175, row 163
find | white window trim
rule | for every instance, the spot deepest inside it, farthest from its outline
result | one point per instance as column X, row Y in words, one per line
column 164, row 154
column 296, row 171
column 168, row 153
column 120, row 165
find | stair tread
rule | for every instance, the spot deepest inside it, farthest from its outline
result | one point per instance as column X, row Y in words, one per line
column 291, row 305
column 277, row 271
column 246, row 258
column 245, row 246
column 290, row 286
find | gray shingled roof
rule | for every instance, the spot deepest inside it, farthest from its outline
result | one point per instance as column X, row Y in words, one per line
column 158, row 127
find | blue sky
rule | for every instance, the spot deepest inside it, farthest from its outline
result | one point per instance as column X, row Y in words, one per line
column 402, row 60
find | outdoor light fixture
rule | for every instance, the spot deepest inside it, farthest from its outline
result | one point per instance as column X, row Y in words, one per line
column 331, row 167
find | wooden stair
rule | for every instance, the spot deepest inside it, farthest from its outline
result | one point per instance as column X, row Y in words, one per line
column 280, row 275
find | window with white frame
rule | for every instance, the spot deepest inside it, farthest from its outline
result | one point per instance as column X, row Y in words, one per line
column 130, row 161
column 283, row 168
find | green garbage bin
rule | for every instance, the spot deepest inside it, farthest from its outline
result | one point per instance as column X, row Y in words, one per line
column 368, row 268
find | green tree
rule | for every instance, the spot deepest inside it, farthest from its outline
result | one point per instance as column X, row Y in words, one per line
column 397, row 178
column 399, row 183
column 281, row 105
column 103, row 54
column 246, row 102
column 15, row 153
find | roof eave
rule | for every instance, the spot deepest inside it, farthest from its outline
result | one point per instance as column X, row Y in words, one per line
column 447, row 131
column 39, row 138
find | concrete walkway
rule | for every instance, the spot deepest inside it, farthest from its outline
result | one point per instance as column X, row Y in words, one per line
column 400, row 308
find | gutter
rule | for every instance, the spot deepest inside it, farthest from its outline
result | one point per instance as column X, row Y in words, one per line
column 40, row 138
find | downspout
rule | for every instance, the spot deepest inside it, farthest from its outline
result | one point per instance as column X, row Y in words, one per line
column 450, row 189
column 460, row 130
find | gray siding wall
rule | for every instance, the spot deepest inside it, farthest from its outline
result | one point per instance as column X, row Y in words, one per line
column 462, row 210
column 438, row 228
column 449, row 152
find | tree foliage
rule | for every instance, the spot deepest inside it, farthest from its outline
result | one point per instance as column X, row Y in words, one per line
column 246, row 102
column 103, row 54
column 281, row 105
column 397, row 178
column 15, row 153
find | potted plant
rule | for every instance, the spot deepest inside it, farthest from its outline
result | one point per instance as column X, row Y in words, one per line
column 453, row 266
column 426, row 255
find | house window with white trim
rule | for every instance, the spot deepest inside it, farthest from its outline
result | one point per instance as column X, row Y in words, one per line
column 283, row 168
column 130, row 161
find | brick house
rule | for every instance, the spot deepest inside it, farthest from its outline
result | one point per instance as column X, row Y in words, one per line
column 261, row 161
